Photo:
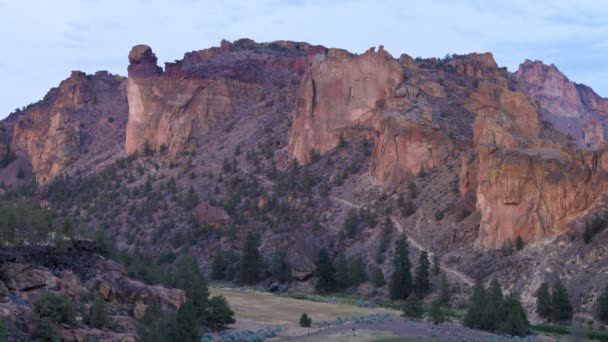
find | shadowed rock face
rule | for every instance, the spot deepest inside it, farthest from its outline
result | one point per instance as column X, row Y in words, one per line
column 573, row 109
column 78, row 124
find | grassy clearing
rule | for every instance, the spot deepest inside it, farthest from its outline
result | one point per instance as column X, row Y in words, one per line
column 405, row 339
column 273, row 309
column 364, row 335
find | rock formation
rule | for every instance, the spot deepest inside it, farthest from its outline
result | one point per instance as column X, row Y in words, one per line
column 573, row 109
column 80, row 124
column 177, row 107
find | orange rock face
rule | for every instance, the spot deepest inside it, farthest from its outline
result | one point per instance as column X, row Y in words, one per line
column 80, row 121
column 177, row 107
column 365, row 95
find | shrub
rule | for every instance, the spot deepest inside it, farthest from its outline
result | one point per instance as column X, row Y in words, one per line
column 44, row 330
column 305, row 321
column 57, row 308
column 99, row 318
column 438, row 215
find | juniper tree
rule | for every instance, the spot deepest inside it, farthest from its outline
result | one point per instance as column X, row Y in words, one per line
column 342, row 274
column 251, row 260
column 475, row 316
column 601, row 306
column 436, row 313
column 356, row 270
column 513, row 321
column 401, row 279
column 444, row 291
column 494, row 309
column 561, row 309
column 422, row 284
column 220, row 314
column 543, row 301
column 412, row 308
column 436, row 264
column 377, row 276
column 325, row 272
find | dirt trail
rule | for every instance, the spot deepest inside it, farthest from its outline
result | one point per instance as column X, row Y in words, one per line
column 466, row 279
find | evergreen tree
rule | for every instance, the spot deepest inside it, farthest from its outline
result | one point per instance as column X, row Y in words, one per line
column 543, row 301
column 475, row 316
column 189, row 278
column 436, row 264
column 356, row 271
column 561, row 309
column 153, row 328
column 325, row 272
column 218, row 266
column 342, row 275
column 305, row 321
column 519, row 243
column 99, row 318
column 587, row 235
column 601, row 306
column 436, row 313
column 494, row 310
column 401, row 279
column 220, row 314
column 377, row 276
column 278, row 268
column 422, row 284
column 412, row 307
column 514, row 321
column 445, row 294
column 186, row 326
column 251, row 260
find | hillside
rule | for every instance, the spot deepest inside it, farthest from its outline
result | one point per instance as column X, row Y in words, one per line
column 312, row 147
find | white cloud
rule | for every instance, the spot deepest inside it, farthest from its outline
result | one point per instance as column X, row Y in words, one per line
column 44, row 40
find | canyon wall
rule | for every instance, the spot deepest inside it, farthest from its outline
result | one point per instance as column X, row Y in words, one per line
column 175, row 108
column 78, row 124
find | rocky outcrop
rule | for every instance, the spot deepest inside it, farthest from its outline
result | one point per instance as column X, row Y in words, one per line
column 177, row 107
column 77, row 125
column 344, row 95
column 573, row 109
column 210, row 215
column 535, row 192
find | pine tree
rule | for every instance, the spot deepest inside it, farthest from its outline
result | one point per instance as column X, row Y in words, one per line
column 514, row 321
column 436, row 264
column 153, row 327
column 220, row 314
column 278, row 268
column 422, row 284
column 561, row 309
column 99, row 318
column 601, row 306
column 189, row 278
column 494, row 310
column 218, row 266
column 475, row 316
column 543, row 301
column 251, row 260
column 356, row 271
column 412, row 307
column 377, row 276
column 436, row 313
column 444, row 291
column 342, row 275
column 325, row 272
column 401, row 279
column 186, row 327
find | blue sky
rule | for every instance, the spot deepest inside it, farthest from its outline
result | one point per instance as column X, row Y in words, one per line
column 42, row 41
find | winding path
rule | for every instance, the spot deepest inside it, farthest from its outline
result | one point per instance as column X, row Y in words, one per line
column 466, row 279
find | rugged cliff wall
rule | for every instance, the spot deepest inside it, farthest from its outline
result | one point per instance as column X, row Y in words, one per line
column 79, row 124
column 573, row 109
column 344, row 96
column 177, row 107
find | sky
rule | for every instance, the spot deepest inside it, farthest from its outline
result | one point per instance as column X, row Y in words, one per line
column 42, row 41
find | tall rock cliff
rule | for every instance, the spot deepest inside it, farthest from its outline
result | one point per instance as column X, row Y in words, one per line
column 176, row 107
column 79, row 124
column 574, row 109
